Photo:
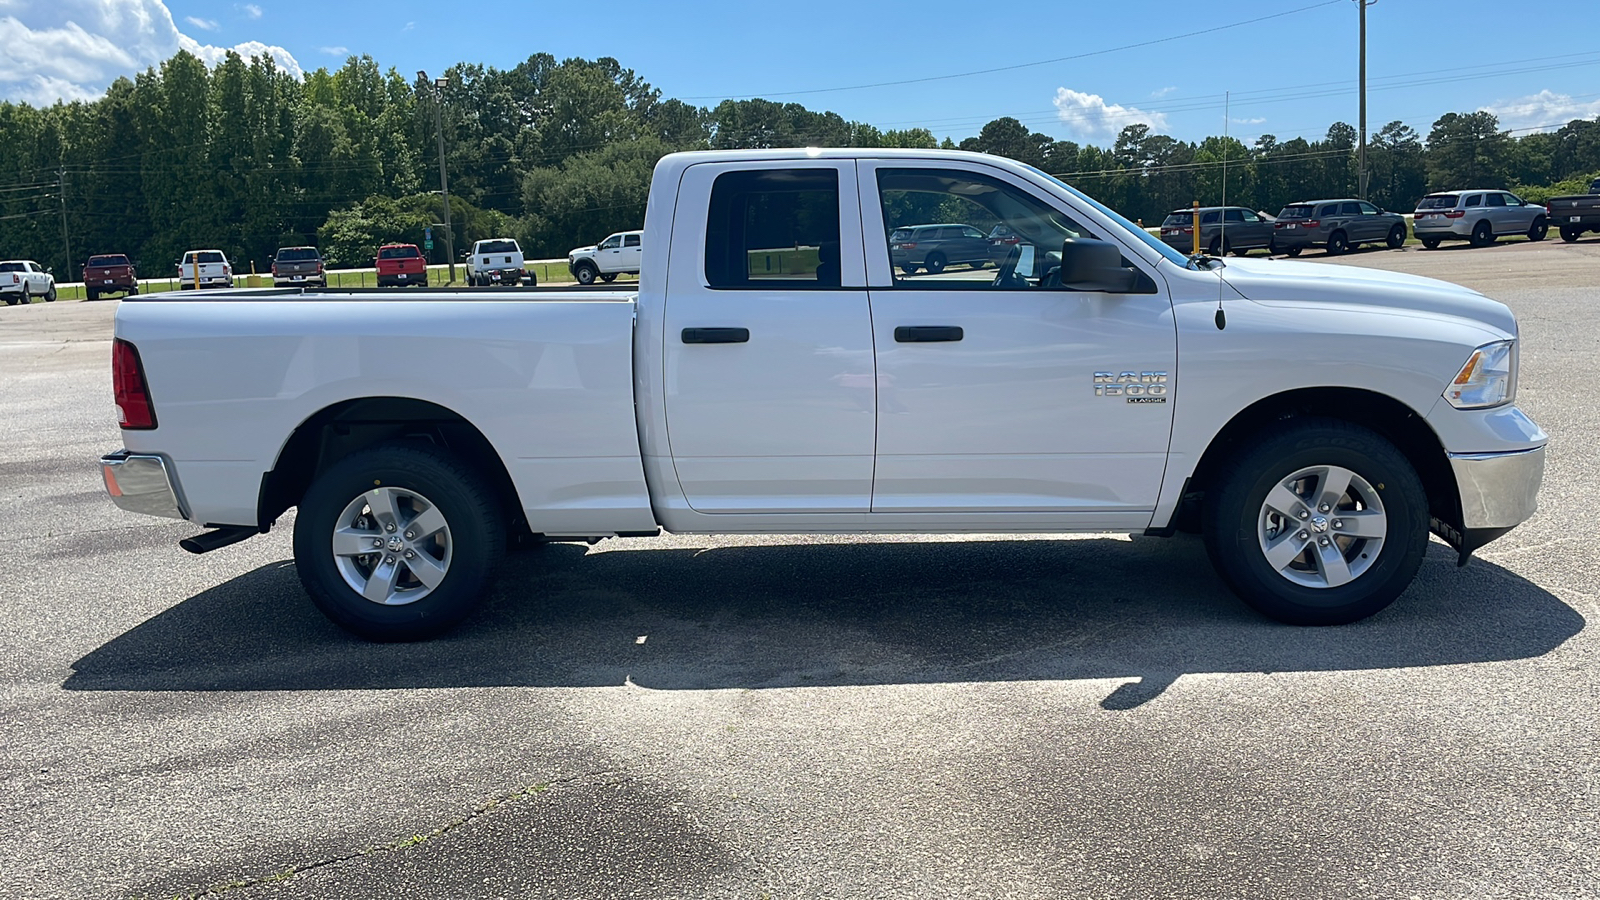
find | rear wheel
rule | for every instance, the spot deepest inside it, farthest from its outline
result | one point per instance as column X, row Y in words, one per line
column 89, row 294
column 1397, row 237
column 935, row 263
column 1295, row 251
column 608, row 277
column 398, row 542
column 1538, row 229
column 1482, row 234
column 1321, row 523
column 1432, row 243
column 1570, row 235
column 909, row 270
column 1219, row 247
column 1338, row 243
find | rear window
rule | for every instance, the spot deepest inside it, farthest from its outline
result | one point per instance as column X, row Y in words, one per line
column 108, row 261
column 1296, row 212
column 498, row 247
column 297, row 254
column 900, row 234
column 12, row 267
column 773, row 226
column 1184, row 217
column 211, row 256
column 398, row 253
column 1439, row 201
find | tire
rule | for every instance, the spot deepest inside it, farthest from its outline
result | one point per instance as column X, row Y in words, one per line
column 909, row 270
column 1338, row 243
column 1248, row 536
column 418, row 483
column 1482, row 234
column 1217, row 248
column 1397, row 237
column 1295, row 251
column 533, row 280
column 586, row 274
column 132, row 292
column 1570, row 235
column 978, row 263
column 1538, row 229
column 608, row 277
column 1272, row 248
column 50, row 295
column 90, row 295
column 10, row 300
column 1432, row 243
column 935, row 263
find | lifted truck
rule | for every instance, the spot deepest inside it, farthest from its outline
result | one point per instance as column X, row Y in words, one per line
column 775, row 374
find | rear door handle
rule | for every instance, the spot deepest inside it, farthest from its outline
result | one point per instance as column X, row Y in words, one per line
column 716, row 335
column 927, row 334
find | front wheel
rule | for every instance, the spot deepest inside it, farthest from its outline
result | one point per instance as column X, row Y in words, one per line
column 1321, row 523
column 1397, row 237
column 585, row 274
column 50, row 295
column 398, row 542
column 1538, row 229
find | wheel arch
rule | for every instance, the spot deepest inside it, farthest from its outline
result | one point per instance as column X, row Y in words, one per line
column 336, row 431
column 1395, row 421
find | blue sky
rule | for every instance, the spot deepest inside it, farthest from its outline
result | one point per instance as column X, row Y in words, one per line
column 1288, row 75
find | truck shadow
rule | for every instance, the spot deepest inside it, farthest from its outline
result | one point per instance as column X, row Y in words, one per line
column 828, row 614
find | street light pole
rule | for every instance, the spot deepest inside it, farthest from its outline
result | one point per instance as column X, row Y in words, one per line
column 444, row 176
column 1361, row 153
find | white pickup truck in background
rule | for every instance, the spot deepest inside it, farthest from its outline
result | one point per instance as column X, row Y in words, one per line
column 774, row 373
column 618, row 254
column 497, row 261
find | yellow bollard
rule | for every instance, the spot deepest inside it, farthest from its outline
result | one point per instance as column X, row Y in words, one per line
column 1197, row 226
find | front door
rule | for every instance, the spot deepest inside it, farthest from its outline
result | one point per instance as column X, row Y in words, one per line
column 998, row 392
column 767, row 351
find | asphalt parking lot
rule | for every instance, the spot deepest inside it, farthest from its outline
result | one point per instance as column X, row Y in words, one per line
column 1093, row 716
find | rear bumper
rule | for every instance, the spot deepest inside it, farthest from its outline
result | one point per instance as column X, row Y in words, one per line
column 141, row 483
column 1443, row 229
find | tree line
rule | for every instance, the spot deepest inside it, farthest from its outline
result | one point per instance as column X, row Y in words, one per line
column 247, row 158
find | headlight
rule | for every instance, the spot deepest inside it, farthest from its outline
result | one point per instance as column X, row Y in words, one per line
column 1488, row 379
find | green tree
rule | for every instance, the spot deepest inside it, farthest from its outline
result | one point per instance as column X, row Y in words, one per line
column 1467, row 150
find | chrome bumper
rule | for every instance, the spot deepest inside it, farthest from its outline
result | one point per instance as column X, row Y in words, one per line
column 1498, row 490
column 141, row 483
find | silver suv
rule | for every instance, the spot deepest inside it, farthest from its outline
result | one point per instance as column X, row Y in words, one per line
column 1337, row 225
column 1479, row 216
column 933, row 247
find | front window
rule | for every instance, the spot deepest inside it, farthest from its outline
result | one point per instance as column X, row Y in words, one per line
column 610, row 243
column 1367, row 209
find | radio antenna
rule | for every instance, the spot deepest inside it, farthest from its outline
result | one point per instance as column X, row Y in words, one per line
column 1222, row 231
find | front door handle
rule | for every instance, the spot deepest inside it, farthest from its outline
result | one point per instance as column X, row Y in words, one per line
column 716, row 335
column 927, row 334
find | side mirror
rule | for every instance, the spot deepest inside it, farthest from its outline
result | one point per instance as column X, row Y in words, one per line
column 49, row 270
column 1091, row 265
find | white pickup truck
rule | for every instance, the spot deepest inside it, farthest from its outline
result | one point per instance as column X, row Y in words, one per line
column 497, row 261
column 618, row 254
column 774, row 373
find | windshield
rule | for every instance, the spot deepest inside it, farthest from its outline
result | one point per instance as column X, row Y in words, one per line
column 1438, row 201
column 1149, row 239
column 108, row 261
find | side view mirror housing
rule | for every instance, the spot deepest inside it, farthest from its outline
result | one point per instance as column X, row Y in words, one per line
column 1091, row 265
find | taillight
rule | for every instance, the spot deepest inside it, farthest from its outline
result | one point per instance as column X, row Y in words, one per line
column 134, row 409
column 227, row 269
column 1455, row 214
column 1311, row 223
column 910, row 246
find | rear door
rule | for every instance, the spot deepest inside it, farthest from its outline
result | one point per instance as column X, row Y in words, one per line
column 609, row 254
column 767, row 344
column 986, row 380
column 630, row 252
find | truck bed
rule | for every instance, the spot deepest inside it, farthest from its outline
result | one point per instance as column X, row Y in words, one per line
column 541, row 373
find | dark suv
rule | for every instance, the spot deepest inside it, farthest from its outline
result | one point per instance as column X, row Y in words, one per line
column 298, row 266
column 1223, row 229
column 935, row 246
column 1337, row 225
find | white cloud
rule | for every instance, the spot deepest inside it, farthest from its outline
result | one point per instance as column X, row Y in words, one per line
column 203, row 24
column 1163, row 92
column 1089, row 116
column 335, row 51
column 1544, row 111
column 410, row 26
column 1257, row 120
column 73, row 49
column 251, row 10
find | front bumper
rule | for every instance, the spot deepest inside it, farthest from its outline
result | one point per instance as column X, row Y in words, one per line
column 1498, row 490
column 141, row 483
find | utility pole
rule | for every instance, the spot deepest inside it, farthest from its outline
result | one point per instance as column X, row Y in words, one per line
column 1361, row 152
column 444, row 177
column 61, row 188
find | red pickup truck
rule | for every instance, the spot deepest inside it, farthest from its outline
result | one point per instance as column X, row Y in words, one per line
column 400, row 265
column 109, row 273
